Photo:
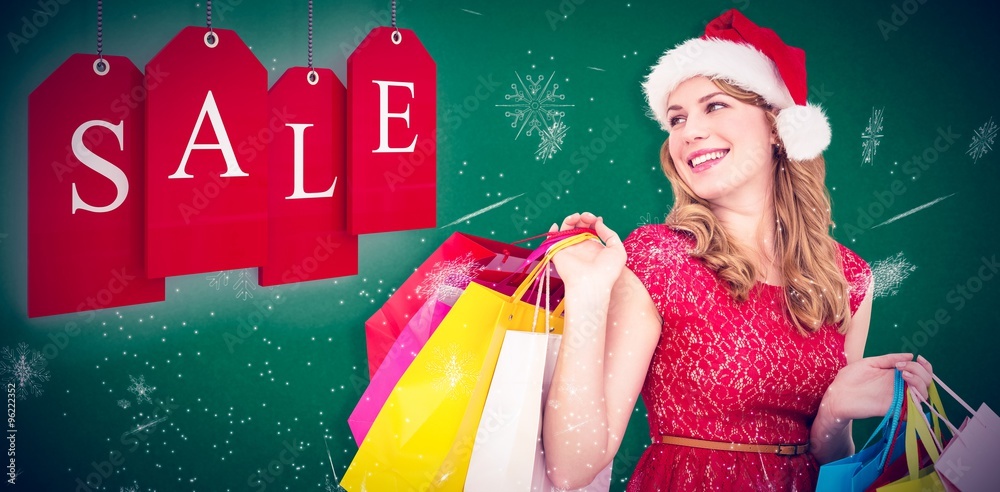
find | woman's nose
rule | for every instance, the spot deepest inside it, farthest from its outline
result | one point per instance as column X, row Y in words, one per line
column 694, row 129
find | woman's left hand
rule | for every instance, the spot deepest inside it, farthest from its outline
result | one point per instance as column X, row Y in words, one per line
column 864, row 388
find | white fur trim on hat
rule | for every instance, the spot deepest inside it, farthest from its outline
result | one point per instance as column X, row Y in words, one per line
column 804, row 130
column 741, row 64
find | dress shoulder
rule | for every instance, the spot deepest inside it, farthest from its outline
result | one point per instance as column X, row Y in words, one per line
column 858, row 274
column 659, row 256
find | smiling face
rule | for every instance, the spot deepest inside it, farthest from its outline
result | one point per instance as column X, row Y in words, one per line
column 720, row 146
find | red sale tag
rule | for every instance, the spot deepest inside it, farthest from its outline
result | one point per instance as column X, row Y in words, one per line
column 307, row 206
column 392, row 134
column 85, row 189
column 206, row 155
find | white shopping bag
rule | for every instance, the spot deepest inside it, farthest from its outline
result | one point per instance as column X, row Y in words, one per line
column 507, row 454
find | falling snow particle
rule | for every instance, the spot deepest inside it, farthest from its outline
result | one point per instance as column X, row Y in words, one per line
column 25, row 368
column 140, row 390
column 889, row 274
column 124, row 403
column 447, row 279
column 982, row 140
column 871, row 136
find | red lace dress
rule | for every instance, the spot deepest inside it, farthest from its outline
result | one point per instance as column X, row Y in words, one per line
column 729, row 372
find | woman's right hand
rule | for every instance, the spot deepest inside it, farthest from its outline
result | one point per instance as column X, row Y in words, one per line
column 590, row 263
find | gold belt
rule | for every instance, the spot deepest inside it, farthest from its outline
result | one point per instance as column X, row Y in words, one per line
column 778, row 449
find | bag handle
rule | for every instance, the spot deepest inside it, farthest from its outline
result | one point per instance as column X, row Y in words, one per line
column 951, row 427
column 557, row 247
column 916, row 425
column 892, row 416
column 534, row 318
column 953, row 394
column 552, row 238
column 580, row 235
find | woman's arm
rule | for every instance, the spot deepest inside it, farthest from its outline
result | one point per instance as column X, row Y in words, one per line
column 862, row 389
column 611, row 329
column 608, row 341
column 830, row 438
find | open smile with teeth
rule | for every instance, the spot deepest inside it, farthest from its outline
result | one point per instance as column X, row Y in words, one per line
column 711, row 156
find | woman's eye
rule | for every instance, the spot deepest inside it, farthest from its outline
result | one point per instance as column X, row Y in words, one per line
column 676, row 120
column 712, row 106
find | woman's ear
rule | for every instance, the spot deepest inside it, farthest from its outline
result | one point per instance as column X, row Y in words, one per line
column 774, row 126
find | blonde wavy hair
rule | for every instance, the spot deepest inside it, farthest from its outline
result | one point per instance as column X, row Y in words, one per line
column 815, row 290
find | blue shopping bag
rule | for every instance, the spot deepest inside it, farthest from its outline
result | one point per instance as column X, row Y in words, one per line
column 858, row 471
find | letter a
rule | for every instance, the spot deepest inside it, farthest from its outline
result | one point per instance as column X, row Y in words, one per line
column 212, row 110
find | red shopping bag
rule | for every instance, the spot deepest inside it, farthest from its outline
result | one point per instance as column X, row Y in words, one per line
column 443, row 275
column 461, row 259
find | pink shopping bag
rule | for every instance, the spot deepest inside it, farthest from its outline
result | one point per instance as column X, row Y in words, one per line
column 399, row 357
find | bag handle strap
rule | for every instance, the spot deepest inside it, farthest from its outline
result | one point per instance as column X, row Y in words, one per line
column 545, row 264
column 953, row 394
column 557, row 247
column 892, row 416
column 916, row 425
column 951, row 427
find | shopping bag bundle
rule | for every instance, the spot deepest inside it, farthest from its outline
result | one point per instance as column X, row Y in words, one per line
column 425, row 434
column 911, row 454
column 459, row 260
column 971, row 460
column 464, row 256
column 857, row 472
column 968, row 462
column 922, row 450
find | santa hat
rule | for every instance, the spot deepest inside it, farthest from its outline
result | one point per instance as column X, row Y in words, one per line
column 753, row 58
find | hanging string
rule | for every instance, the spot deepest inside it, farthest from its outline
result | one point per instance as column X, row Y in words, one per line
column 208, row 15
column 394, row 15
column 100, row 36
column 310, row 35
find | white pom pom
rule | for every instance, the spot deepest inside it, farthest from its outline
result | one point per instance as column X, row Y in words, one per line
column 804, row 130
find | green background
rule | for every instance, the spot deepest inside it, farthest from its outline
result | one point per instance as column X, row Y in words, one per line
column 297, row 377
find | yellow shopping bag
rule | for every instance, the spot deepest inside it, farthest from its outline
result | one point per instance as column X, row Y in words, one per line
column 917, row 427
column 422, row 438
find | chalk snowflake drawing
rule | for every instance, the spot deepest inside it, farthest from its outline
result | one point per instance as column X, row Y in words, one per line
column 25, row 368
column 536, row 108
column 218, row 279
column 244, row 284
column 124, row 403
column 871, row 136
column 452, row 372
column 140, row 389
column 134, row 488
column 889, row 274
column 551, row 141
column 982, row 140
column 447, row 279
column 649, row 219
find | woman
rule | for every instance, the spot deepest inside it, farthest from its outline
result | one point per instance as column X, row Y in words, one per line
column 741, row 321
